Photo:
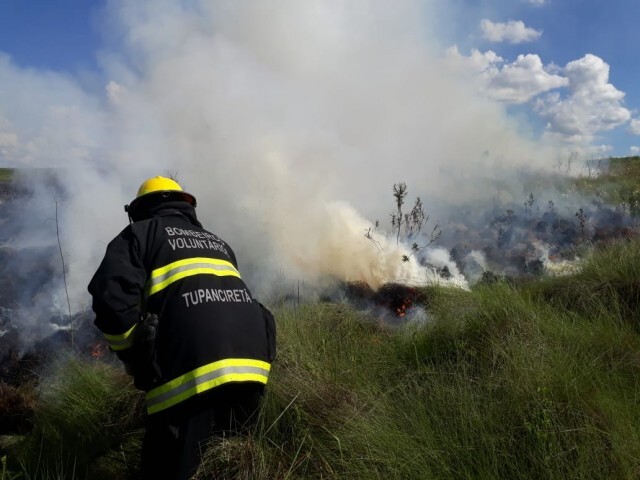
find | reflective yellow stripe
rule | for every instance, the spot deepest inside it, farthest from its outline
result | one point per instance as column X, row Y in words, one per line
column 122, row 341
column 205, row 378
column 164, row 276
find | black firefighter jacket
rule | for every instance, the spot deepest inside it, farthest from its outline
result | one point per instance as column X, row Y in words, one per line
column 210, row 332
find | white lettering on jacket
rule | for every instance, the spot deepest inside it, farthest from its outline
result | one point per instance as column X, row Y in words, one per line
column 194, row 239
column 204, row 295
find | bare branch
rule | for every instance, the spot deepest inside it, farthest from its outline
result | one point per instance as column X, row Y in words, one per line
column 64, row 273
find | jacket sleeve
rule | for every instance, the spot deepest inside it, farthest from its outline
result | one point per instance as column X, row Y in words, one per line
column 117, row 289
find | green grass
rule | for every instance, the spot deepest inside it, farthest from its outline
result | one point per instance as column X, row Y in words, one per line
column 538, row 380
column 618, row 184
column 6, row 174
column 535, row 379
column 87, row 424
column 505, row 382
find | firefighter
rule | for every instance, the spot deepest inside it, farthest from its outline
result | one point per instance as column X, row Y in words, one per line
column 170, row 300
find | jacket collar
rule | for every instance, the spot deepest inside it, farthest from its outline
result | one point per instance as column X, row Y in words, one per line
column 177, row 208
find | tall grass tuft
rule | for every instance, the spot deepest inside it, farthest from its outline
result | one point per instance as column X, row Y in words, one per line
column 607, row 285
column 539, row 380
column 533, row 380
column 87, row 424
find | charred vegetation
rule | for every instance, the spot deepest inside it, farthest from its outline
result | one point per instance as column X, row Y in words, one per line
column 524, row 375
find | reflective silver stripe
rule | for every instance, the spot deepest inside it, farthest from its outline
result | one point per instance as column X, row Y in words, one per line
column 165, row 276
column 203, row 379
column 121, row 341
column 121, row 344
column 184, row 268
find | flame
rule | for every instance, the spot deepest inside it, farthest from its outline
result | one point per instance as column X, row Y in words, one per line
column 401, row 310
column 98, row 350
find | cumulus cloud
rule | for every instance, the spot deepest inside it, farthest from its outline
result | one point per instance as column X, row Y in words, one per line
column 593, row 105
column 513, row 31
column 516, row 82
column 476, row 63
column 635, row 150
column 634, row 126
column 520, row 81
column 536, row 2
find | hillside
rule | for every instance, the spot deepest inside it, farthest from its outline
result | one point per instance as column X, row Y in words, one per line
column 539, row 380
column 530, row 378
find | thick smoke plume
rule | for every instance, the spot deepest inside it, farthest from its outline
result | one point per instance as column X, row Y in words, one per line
column 289, row 121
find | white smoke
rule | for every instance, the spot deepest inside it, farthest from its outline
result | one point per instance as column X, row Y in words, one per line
column 284, row 118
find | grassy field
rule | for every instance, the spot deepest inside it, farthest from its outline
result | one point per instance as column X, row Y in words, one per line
column 618, row 183
column 538, row 380
column 529, row 379
column 6, row 174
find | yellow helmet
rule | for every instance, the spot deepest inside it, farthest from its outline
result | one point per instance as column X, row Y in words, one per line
column 156, row 186
column 160, row 184
column 163, row 185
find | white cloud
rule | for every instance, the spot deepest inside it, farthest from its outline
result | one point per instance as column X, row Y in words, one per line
column 513, row 31
column 523, row 79
column 516, row 82
column 635, row 150
column 634, row 126
column 536, row 2
column 476, row 63
column 593, row 105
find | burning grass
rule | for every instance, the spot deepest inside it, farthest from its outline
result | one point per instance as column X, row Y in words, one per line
column 535, row 379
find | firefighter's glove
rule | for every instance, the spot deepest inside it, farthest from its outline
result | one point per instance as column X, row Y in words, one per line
column 144, row 338
column 146, row 373
column 139, row 360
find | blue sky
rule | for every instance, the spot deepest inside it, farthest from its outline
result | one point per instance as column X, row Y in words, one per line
column 566, row 32
column 67, row 36
column 61, row 35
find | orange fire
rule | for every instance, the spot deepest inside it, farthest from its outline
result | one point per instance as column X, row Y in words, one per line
column 98, row 350
column 401, row 311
